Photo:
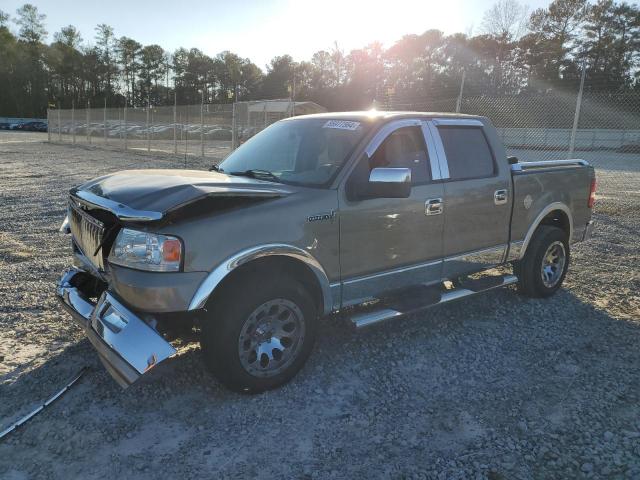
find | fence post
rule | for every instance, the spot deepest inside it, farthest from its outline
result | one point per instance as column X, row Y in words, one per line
column 459, row 101
column 48, row 125
column 59, row 131
column 202, row 125
column 73, row 121
column 265, row 115
column 148, row 126
column 233, row 127
column 576, row 117
column 186, row 134
column 125, row 124
column 175, row 126
column 88, row 121
column 104, row 120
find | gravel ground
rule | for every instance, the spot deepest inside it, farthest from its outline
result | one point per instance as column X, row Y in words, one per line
column 497, row 386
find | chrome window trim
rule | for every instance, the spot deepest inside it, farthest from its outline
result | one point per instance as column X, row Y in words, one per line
column 218, row 274
column 439, row 147
column 434, row 160
column 119, row 210
column 459, row 122
column 387, row 130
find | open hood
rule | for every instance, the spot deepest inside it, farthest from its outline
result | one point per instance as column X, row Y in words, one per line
column 145, row 195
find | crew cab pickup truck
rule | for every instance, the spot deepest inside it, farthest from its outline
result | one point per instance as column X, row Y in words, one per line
column 372, row 215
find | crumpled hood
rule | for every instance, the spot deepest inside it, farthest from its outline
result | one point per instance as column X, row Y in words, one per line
column 164, row 190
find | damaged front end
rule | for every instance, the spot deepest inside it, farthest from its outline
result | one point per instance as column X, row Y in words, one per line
column 107, row 285
column 127, row 345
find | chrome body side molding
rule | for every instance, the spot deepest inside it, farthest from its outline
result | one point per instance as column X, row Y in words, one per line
column 521, row 167
column 545, row 211
column 357, row 290
column 218, row 274
column 477, row 260
column 118, row 209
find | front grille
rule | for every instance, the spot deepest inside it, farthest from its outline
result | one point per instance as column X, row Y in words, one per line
column 87, row 233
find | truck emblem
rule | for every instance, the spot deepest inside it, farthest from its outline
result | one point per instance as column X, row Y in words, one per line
column 528, row 201
column 321, row 216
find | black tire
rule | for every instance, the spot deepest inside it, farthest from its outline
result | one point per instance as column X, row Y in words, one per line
column 531, row 279
column 234, row 309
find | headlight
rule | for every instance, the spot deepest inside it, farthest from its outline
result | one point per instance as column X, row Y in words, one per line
column 146, row 251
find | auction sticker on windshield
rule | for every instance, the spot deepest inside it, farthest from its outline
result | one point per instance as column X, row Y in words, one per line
column 342, row 124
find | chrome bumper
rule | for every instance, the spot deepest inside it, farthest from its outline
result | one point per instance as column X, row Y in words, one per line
column 126, row 345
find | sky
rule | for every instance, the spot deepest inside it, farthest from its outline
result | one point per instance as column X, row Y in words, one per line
column 262, row 29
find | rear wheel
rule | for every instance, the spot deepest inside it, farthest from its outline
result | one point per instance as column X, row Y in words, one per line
column 259, row 333
column 544, row 266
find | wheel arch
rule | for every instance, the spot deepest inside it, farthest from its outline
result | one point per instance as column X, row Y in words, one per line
column 292, row 259
column 556, row 214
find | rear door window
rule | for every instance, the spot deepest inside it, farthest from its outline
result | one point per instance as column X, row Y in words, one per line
column 468, row 153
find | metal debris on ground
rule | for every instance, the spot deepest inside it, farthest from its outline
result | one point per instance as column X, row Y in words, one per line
column 29, row 416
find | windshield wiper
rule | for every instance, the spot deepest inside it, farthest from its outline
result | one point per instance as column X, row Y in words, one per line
column 256, row 173
column 215, row 168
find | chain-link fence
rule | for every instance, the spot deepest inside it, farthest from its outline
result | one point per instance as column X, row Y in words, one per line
column 602, row 128
column 190, row 131
column 198, row 134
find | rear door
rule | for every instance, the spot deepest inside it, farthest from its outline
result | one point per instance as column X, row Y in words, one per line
column 477, row 197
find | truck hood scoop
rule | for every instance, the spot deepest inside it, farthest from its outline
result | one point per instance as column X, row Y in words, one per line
column 147, row 195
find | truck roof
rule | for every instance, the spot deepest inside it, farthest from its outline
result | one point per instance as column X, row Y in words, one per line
column 369, row 115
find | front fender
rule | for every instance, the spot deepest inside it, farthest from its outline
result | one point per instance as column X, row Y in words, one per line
column 219, row 273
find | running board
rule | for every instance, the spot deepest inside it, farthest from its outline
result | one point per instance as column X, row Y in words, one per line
column 466, row 289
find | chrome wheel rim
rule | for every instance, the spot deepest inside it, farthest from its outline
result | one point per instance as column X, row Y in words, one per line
column 553, row 263
column 271, row 338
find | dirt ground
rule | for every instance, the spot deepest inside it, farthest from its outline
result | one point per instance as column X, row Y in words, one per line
column 497, row 386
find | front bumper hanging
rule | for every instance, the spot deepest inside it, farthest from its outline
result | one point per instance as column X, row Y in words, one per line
column 127, row 346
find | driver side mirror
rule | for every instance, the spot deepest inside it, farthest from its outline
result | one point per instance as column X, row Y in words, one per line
column 388, row 183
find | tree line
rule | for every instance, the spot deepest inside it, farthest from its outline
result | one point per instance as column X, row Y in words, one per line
column 517, row 52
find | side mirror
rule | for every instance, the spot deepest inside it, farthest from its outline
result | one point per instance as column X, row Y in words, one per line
column 512, row 160
column 389, row 183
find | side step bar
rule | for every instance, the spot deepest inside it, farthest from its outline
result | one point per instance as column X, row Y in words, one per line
column 466, row 289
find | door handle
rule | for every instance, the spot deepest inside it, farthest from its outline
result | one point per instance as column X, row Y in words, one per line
column 500, row 197
column 433, row 206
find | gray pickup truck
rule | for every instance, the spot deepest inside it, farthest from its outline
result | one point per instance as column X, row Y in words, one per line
column 370, row 215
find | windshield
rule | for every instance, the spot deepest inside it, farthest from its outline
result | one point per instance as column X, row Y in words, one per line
column 302, row 151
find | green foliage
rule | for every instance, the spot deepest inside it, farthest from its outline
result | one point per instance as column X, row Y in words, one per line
column 517, row 53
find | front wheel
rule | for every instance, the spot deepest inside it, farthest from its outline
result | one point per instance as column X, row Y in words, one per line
column 259, row 333
column 542, row 270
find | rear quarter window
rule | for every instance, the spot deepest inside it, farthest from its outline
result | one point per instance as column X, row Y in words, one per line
column 468, row 153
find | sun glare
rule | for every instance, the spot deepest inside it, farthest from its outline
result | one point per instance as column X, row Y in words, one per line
column 357, row 23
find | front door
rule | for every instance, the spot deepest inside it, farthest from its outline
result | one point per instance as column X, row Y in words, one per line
column 392, row 243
